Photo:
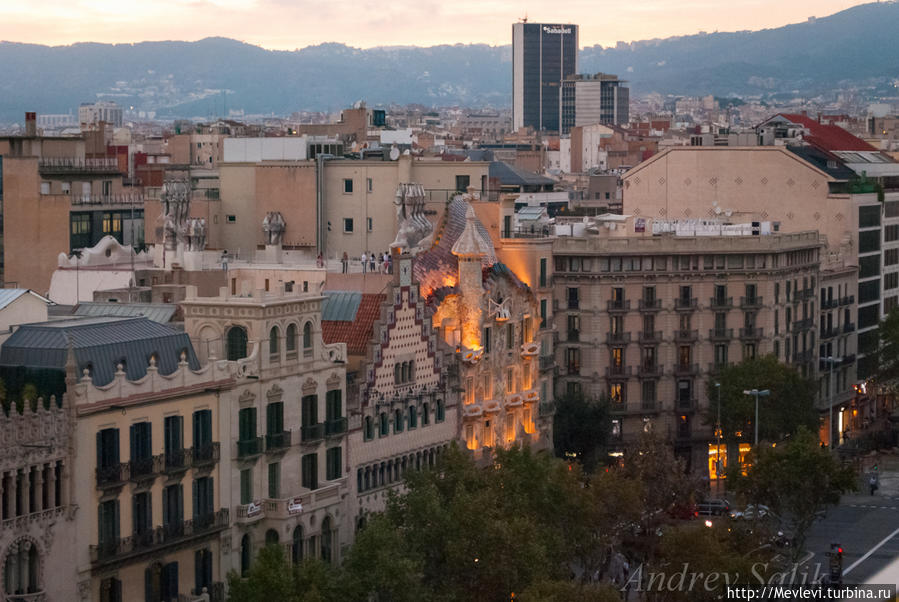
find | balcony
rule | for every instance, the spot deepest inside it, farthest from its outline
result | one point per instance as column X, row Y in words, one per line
column 829, row 333
column 805, row 294
column 721, row 302
column 614, row 372
column 686, row 369
column 312, row 433
column 803, row 357
column 112, row 476
column 685, row 304
column 145, row 468
column 277, row 442
column 175, row 462
column 830, row 303
column 618, row 305
column 618, row 338
column 849, row 327
column 850, row 300
column 250, row 513
column 718, row 366
column 573, row 369
column 336, row 426
column 648, row 305
column 50, row 166
column 751, row 333
column 283, row 508
column 155, row 540
column 751, row 302
column 650, row 336
column 574, row 335
column 721, row 334
column 805, row 324
column 685, row 405
column 106, row 200
column 649, row 405
column 547, row 362
column 205, row 454
column 686, row 336
column 573, row 303
column 249, row 448
column 649, row 370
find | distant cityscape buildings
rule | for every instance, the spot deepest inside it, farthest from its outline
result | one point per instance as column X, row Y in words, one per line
column 543, row 55
column 589, row 99
column 106, row 111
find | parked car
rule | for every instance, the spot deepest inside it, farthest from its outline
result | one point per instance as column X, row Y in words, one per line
column 683, row 511
column 713, row 507
column 751, row 512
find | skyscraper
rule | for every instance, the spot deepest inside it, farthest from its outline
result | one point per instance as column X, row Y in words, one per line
column 589, row 99
column 543, row 55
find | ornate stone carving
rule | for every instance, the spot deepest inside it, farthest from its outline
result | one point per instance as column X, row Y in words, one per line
column 175, row 197
column 414, row 231
column 273, row 226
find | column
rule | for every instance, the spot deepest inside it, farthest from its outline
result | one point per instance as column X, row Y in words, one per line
column 38, row 489
column 51, row 485
column 17, row 506
column 26, row 488
column 64, row 483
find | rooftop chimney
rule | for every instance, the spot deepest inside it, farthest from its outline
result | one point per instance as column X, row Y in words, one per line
column 30, row 123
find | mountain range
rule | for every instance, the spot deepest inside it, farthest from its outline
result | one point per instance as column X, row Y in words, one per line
column 852, row 48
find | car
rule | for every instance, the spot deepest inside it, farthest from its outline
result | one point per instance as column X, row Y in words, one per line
column 713, row 507
column 683, row 511
column 751, row 513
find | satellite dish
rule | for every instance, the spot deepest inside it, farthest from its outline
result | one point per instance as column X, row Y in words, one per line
column 394, row 153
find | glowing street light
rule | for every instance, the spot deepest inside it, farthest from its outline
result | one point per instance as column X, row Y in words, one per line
column 756, row 393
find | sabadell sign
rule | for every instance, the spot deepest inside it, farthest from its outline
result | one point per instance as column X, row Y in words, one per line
column 547, row 29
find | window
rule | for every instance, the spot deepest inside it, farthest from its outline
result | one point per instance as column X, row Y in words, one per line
column 486, row 339
column 368, row 430
column 310, row 471
column 173, row 509
column 203, row 570
column 333, row 405
column 441, row 411
column 573, row 299
column 616, row 393
column 296, row 550
column 868, row 291
column 542, row 313
column 368, row 186
column 142, row 515
column 246, row 419
column 108, row 525
column 203, row 496
column 425, row 413
column 141, row 449
column 108, row 450
column 273, row 344
column 413, row 417
column 348, row 225
column 649, row 393
column 869, row 241
column 542, row 272
column 326, row 539
column 173, row 440
column 868, row 266
column 307, row 339
column 333, row 468
column 202, row 429
column 720, row 355
column 237, row 343
column 245, row 554
column 510, row 336
column 310, row 410
column 869, row 216
column 891, row 256
column 749, row 350
column 274, row 480
column 110, row 588
column 384, row 425
column 348, row 185
column 891, row 280
column 368, row 223
column 684, row 391
column 462, row 182
column 398, row 421
column 290, row 339
column 231, row 219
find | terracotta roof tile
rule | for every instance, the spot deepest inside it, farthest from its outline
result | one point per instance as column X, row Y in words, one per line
column 356, row 333
column 828, row 137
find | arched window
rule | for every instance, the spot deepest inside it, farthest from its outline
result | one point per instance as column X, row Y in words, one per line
column 425, row 413
column 237, row 343
column 22, row 570
column 397, row 373
column 413, row 417
column 273, row 342
column 440, row 411
column 411, row 372
column 307, row 339
column 431, row 458
column 385, row 429
column 367, row 479
column 291, row 339
column 326, row 539
column 403, row 372
column 359, row 480
column 369, row 428
column 360, row 523
column 296, row 549
column 245, row 554
column 381, row 480
column 398, row 421
column 271, row 537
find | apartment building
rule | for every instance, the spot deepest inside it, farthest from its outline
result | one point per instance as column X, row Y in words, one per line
column 646, row 320
column 285, row 466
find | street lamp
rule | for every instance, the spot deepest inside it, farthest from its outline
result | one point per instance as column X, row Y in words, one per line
column 718, row 463
column 830, row 361
column 756, row 393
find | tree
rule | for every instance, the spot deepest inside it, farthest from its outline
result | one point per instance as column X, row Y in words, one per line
column 790, row 405
column 271, row 577
column 797, row 480
column 581, row 428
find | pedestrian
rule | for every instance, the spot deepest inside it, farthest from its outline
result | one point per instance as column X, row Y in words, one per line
column 345, row 260
column 872, row 482
column 364, row 262
column 372, row 262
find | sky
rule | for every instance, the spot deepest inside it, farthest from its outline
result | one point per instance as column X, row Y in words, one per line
column 292, row 24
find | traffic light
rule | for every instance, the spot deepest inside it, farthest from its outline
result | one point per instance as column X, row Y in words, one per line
column 836, row 563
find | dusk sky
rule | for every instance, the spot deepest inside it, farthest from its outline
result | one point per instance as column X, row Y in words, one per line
column 290, row 24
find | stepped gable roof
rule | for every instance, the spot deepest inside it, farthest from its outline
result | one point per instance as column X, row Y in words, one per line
column 349, row 317
column 99, row 343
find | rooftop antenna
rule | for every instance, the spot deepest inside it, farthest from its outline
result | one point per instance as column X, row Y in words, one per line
column 525, row 18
